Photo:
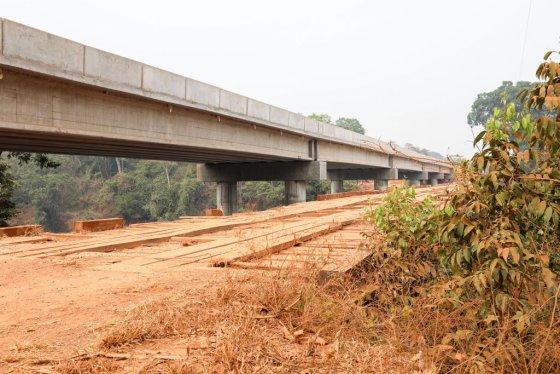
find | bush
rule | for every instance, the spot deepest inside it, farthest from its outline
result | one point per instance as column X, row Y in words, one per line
column 403, row 261
column 495, row 294
column 501, row 231
column 7, row 186
column 402, row 219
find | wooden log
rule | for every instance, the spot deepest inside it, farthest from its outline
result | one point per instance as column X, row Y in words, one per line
column 95, row 225
column 214, row 212
column 340, row 195
column 26, row 230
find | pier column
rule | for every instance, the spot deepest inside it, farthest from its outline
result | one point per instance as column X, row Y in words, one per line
column 337, row 186
column 294, row 192
column 227, row 197
column 380, row 184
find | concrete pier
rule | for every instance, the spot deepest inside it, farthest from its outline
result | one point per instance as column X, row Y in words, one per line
column 380, row 184
column 227, row 197
column 337, row 186
column 294, row 192
column 433, row 182
column 414, row 182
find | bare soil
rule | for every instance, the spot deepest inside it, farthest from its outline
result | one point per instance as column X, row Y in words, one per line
column 51, row 309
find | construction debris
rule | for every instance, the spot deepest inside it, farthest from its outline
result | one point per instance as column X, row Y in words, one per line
column 325, row 232
column 27, row 230
column 96, row 225
column 214, row 212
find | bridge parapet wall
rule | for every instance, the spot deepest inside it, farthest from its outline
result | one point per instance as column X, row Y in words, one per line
column 35, row 51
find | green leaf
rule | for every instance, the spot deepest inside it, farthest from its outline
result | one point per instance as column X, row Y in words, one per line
column 547, row 214
column 501, row 198
column 541, row 208
column 479, row 136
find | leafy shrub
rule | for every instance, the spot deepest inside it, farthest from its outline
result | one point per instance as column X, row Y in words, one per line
column 7, row 186
column 402, row 219
column 499, row 234
column 403, row 259
column 502, row 230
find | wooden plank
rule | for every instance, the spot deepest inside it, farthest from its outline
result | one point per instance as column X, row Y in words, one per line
column 213, row 212
column 254, row 266
column 260, row 222
column 314, row 251
column 130, row 239
column 330, row 253
column 339, row 195
column 252, row 243
column 94, row 225
column 25, row 230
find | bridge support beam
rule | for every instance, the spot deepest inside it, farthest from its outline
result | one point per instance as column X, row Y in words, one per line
column 362, row 174
column 262, row 171
column 439, row 176
column 337, row 186
column 294, row 192
column 414, row 178
column 226, row 198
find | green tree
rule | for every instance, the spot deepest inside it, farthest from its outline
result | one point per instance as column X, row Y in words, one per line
column 424, row 151
column 154, row 190
column 325, row 118
column 7, row 183
column 194, row 196
column 261, row 195
column 503, row 231
column 315, row 188
column 55, row 197
column 351, row 124
column 483, row 106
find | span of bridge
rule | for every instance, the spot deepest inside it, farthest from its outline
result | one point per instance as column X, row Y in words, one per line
column 60, row 96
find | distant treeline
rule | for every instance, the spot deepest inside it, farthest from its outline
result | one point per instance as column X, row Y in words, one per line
column 85, row 187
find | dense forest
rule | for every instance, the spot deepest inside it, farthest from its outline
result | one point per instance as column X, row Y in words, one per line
column 85, row 187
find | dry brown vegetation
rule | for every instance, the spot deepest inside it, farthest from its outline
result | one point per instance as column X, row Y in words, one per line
column 289, row 322
column 395, row 315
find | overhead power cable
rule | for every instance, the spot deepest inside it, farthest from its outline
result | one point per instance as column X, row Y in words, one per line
column 525, row 39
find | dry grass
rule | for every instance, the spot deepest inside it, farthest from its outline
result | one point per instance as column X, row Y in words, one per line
column 288, row 322
column 96, row 365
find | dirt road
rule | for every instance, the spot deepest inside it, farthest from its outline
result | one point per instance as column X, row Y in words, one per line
column 59, row 294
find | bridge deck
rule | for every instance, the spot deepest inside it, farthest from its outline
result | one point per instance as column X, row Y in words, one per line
column 323, row 233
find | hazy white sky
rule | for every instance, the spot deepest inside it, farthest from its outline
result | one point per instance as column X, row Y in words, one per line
column 408, row 70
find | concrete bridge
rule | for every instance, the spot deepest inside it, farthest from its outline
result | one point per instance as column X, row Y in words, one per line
column 59, row 96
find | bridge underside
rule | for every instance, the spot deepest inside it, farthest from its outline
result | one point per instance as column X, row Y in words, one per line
column 42, row 114
column 57, row 143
